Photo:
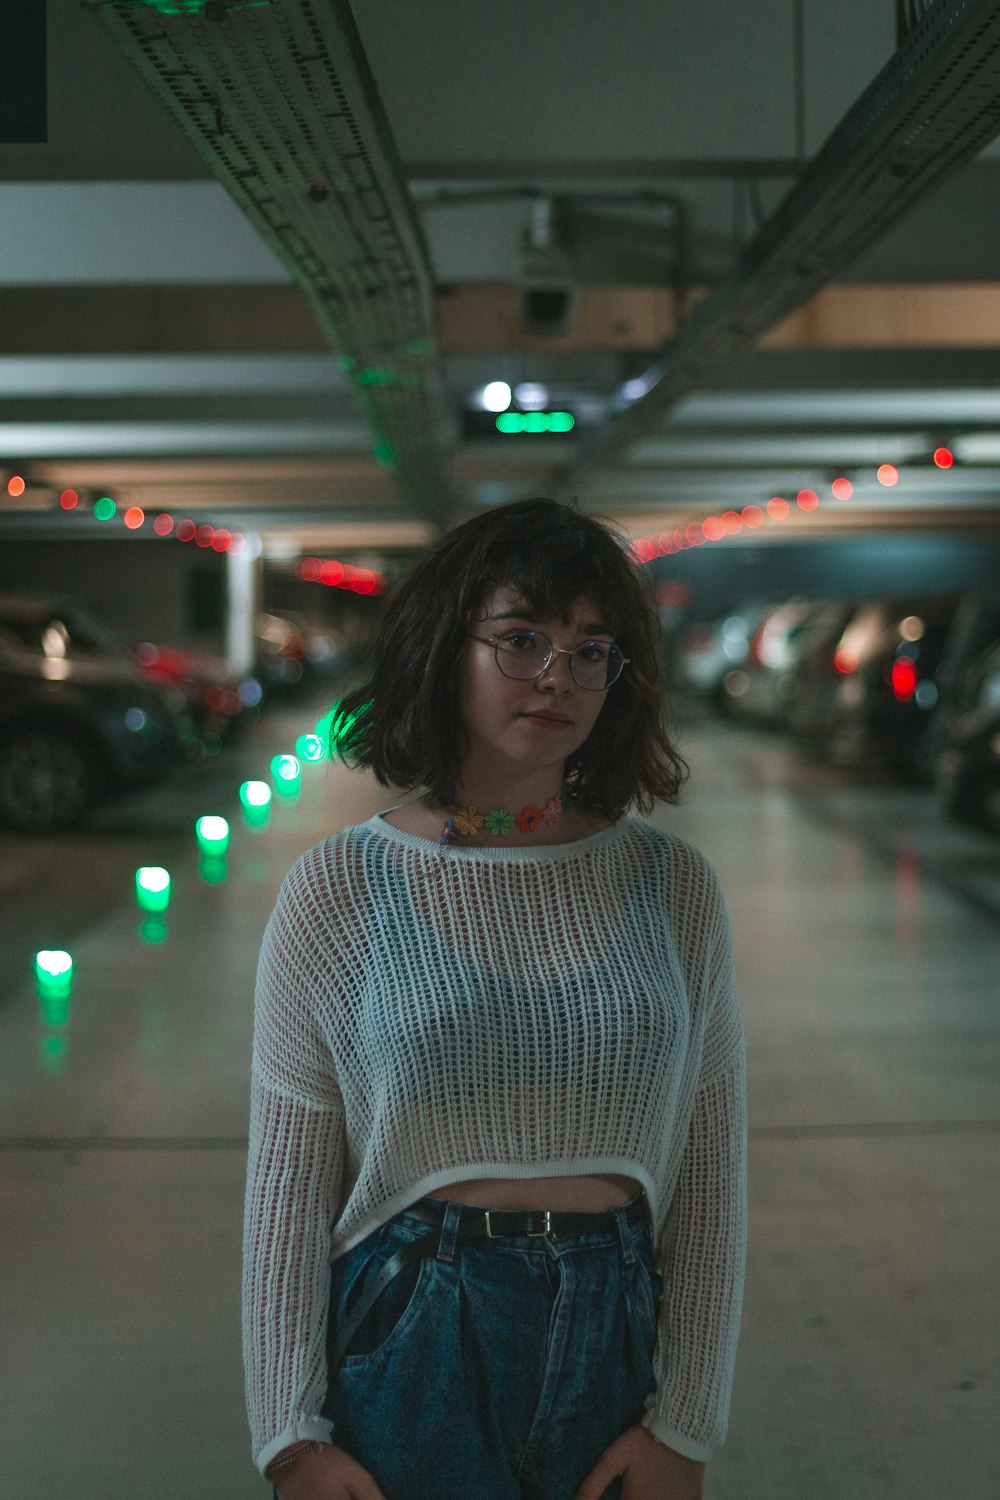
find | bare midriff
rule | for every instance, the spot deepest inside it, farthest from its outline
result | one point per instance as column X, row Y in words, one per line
column 586, row 1195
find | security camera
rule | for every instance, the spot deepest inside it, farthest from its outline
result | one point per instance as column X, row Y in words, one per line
column 547, row 309
column 548, row 293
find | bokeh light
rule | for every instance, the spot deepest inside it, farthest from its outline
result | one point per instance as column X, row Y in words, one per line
column 213, row 834
column 152, row 888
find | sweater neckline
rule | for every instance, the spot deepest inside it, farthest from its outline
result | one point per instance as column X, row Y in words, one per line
column 503, row 854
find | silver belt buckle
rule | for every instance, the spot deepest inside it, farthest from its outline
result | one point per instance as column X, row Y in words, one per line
column 531, row 1233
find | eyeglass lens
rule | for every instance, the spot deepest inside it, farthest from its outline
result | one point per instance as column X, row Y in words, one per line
column 526, row 653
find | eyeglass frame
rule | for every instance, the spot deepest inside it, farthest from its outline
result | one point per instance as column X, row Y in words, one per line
column 554, row 651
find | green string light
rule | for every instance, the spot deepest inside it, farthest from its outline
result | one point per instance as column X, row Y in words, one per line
column 152, row 888
column 287, row 773
column 213, row 835
column 310, row 748
column 54, row 979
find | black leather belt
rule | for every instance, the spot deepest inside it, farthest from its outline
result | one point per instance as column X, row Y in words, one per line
column 477, row 1224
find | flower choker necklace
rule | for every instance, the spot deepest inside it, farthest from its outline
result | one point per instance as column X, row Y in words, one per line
column 499, row 820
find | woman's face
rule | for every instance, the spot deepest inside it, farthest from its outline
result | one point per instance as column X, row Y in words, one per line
column 534, row 722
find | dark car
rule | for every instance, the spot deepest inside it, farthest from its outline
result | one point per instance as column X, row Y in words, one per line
column 707, row 651
column 282, row 651
column 967, row 769
column 966, row 741
column 768, row 684
column 872, row 708
column 211, row 687
column 78, row 719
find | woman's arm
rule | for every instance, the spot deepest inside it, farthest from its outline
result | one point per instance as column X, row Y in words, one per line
column 703, row 1246
column 294, row 1171
column 295, row 1155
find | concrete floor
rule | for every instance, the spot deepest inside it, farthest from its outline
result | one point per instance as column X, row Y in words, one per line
column 868, row 949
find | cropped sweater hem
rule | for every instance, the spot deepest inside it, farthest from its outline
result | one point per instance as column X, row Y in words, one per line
column 504, row 1171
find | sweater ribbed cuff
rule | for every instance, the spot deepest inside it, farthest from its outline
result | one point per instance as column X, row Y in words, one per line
column 296, row 1431
column 685, row 1446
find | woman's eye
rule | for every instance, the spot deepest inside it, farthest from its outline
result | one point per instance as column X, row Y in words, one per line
column 521, row 640
column 593, row 651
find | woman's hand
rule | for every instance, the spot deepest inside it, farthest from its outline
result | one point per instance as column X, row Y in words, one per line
column 650, row 1469
column 327, row 1473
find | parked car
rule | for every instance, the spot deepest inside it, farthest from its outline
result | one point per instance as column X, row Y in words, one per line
column 966, row 743
column 967, row 769
column 765, row 688
column 78, row 719
column 974, row 628
column 209, row 684
column 327, row 651
column 883, row 688
column 707, row 651
column 816, row 673
column 281, row 652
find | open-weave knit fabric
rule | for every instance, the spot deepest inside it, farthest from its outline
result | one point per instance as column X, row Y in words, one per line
column 426, row 1015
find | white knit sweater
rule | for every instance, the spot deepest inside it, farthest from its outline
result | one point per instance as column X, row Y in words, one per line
column 426, row 1014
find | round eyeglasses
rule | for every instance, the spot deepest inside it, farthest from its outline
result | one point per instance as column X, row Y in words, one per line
column 524, row 654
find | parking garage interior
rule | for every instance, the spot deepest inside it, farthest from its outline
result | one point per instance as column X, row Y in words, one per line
column 286, row 292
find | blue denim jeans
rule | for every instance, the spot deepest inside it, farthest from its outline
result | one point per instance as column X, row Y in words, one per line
column 499, row 1369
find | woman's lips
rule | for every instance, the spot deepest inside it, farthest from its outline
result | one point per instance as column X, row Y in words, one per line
column 547, row 722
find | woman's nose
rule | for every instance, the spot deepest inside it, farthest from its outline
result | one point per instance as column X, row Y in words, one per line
column 558, row 673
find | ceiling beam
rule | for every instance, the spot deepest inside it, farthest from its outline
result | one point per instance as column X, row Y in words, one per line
column 477, row 318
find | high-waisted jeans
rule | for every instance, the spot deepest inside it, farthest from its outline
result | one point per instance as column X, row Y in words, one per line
column 499, row 1369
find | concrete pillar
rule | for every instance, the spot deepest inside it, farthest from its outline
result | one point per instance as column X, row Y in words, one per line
column 242, row 590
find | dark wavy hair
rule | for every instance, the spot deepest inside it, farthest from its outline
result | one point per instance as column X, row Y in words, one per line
column 405, row 724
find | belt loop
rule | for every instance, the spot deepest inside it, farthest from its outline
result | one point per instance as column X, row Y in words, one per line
column 624, row 1235
column 449, row 1230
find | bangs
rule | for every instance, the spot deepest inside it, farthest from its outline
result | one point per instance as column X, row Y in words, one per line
column 549, row 584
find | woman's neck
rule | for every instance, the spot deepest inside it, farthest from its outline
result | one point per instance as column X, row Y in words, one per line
column 514, row 794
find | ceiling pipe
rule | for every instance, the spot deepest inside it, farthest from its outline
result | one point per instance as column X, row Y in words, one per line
column 932, row 108
column 279, row 102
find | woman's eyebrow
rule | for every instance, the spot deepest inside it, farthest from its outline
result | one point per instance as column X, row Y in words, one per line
column 593, row 627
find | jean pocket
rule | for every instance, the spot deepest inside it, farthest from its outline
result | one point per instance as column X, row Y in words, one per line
column 393, row 1308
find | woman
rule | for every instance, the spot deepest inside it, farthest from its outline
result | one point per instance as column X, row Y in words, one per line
column 496, row 1189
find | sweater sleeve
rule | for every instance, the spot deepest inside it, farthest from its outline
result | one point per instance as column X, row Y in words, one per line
column 703, row 1246
column 295, row 1162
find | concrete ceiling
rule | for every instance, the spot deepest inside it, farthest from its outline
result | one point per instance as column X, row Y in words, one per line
column 152, row 345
